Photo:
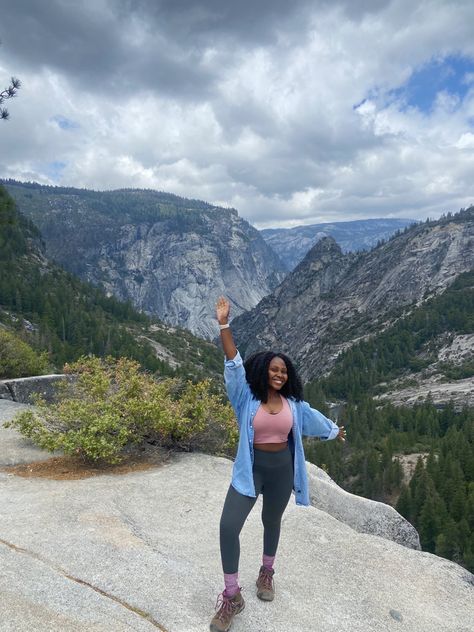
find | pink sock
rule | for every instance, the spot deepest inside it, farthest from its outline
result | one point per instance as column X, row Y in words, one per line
column 231, row 581
column 267, row 561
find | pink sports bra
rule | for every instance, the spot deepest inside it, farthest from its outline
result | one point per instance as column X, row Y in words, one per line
column 272, row 428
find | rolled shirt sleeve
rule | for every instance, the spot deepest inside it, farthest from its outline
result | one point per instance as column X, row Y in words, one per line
column 315, row 424
column 235, row 381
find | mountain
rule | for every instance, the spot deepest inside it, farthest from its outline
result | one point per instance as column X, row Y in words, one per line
column 171, row 257
column 53, row 310
column 331, row 300
column 427, row 354
column 292, row 244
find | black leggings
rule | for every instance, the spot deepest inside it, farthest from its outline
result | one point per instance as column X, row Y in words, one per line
column 273, row 478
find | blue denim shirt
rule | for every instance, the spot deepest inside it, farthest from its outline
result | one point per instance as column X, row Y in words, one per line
column 306, row 421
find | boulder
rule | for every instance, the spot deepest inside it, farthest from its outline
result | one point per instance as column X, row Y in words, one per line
column 22, row 389
column 362, row 514
column 5, row 392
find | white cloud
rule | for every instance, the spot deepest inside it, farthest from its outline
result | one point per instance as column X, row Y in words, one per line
column 267, row 124
column 466, row 141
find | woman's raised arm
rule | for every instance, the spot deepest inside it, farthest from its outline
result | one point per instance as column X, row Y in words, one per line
column 222, row 313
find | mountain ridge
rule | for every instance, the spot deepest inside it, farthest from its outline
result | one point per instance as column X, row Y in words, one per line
column 365, row 291
column 292, row 244
column 170, row 261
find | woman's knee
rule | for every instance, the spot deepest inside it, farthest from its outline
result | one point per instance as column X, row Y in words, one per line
column 271, row 521
column 228, row 527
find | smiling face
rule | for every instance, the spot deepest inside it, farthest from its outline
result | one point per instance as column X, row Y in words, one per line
column 277, row 373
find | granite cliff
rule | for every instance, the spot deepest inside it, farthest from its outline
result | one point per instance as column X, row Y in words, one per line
column 333, row 299
column 171, row 257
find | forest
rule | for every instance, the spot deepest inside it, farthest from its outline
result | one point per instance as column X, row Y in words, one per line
column 124, row 205
column 439, row 498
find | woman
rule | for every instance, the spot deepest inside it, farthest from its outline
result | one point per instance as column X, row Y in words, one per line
column 267, row 397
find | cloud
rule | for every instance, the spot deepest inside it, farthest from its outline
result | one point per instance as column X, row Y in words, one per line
column 290, row 112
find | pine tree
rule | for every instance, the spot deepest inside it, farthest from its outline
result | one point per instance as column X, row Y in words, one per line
column 457, row 507
column 432, row 518
column 404, row 503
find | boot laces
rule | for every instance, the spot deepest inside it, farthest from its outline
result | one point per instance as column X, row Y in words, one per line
column 266, row 578
column 226, row 607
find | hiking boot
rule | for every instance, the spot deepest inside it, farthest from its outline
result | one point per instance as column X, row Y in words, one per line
column 228, row 608
column 265, row 589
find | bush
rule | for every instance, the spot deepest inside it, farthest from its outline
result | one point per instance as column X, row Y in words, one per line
column 112, row 406
column 17, row 358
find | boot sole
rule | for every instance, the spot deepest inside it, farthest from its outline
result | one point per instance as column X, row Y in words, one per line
column 263, row 598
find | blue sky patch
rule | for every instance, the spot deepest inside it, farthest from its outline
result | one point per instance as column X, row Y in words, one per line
column 65, row 123
column 453, row 75
column 55, row 169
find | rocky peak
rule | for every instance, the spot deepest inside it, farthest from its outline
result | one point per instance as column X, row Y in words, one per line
column 320, row 270
column 326, row 247
column 330, row 300
column 292, row 244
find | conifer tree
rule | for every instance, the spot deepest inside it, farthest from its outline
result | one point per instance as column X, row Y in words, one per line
column 432, row 518
column 404, row 503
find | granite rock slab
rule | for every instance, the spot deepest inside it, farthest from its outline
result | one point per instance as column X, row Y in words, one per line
column 362, row 514
column 140, row 551
column 14, row 448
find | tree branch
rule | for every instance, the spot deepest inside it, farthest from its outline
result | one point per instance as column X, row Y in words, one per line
column 9, row 93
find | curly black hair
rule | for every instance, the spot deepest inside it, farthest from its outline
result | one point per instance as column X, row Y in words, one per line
column 256, row 372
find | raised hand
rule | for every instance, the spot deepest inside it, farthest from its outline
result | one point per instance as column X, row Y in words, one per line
column 222, row 310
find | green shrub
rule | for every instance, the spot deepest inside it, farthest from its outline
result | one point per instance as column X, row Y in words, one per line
column 112, row 406
column 459, row 372
column 17, row 358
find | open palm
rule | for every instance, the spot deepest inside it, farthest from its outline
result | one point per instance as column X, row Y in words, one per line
column 222, row 309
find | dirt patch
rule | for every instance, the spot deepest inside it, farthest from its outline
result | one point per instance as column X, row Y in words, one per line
column 73, row 467
column 408, row 463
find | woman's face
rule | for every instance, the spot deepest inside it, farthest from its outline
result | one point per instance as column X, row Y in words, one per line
column 277, row 373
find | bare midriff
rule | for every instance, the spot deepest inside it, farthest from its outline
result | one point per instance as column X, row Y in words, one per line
column 270, row 447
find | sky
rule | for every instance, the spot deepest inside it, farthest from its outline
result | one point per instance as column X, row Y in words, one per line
column 291, row 112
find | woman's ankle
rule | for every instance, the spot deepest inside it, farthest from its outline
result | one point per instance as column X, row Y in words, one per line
column 267, row 561
column 231, row 581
